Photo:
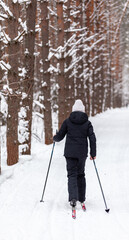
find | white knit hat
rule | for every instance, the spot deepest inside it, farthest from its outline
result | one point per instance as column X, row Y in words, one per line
column 78, row 106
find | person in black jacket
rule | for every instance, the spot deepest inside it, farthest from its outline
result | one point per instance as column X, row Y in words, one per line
column 77, row 129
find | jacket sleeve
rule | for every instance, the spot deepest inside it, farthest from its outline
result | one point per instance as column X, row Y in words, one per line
column 61, row 133
column 92, row 139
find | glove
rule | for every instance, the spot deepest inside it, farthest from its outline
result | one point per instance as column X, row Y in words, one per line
column 91, row 158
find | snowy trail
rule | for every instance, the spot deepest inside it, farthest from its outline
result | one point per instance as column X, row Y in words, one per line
column 23, row 217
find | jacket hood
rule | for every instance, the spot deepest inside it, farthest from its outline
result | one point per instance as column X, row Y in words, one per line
column 78, row 106
column 78, row 117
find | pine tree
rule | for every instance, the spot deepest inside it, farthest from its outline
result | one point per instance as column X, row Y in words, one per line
column 69, row 78
column 79, row 55
column 13, row 100
column 61, row 61
column 46, row 84
column 29, row 72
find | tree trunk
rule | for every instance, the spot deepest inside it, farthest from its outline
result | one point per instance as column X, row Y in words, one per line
column 53, row 61
column 87, row 68
column 79, row 66
column 61, row 80
column 117, row 96
column 98, row 91
column 92, row 56
column 109, row 58
column 1, row 78
column 46, row 85
column 29, row 67
column 69, row 79
column 0, row 134
column 13, row 100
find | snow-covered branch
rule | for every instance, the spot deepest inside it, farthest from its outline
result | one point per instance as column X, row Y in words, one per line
column 53, row 28
column 93, row 16
column 88, row 49
column 22, row 1
column 3, row 16
column 18, row 37
column 74, row 12
column 52, row 12
column 5, row 66
column 76, row 29
column 23, row 24
column 7, row 38
column 39, row 104
column 122, row 16
column 72, row 41
column 6, row 9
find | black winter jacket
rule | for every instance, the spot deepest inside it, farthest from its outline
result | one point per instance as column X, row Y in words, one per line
column 77, row 129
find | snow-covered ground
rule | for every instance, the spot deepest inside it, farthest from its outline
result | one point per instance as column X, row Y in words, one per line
column 24, row 217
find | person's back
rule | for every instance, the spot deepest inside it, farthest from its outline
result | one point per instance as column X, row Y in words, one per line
column 77, row 132
column 77, row 129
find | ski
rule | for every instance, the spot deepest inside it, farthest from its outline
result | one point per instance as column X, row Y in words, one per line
column 73, row 212
column 83, row 206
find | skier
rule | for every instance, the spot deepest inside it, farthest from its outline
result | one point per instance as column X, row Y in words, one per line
column 77, row 129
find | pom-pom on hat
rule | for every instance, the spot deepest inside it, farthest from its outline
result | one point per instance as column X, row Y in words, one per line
column 78, row 106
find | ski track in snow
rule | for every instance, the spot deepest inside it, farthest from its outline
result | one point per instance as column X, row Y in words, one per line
column 24, row 217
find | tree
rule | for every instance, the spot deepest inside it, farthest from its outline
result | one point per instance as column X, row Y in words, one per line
column 46, row 84
column 28, row 84
column 53, row 60
column 56, row 51
column 0, row 133
column 13, row 100
column 61, row 82
column 79, row 54
column 88, row 53
column 99, row 50
column 91, row 55
column 69, row 78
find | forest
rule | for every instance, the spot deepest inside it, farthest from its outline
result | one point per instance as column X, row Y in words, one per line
column 53, row 52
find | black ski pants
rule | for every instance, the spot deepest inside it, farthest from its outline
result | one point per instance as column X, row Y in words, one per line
column 76, row 178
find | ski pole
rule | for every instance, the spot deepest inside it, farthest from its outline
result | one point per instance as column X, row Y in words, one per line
column 107, row 209
column 47, row 172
